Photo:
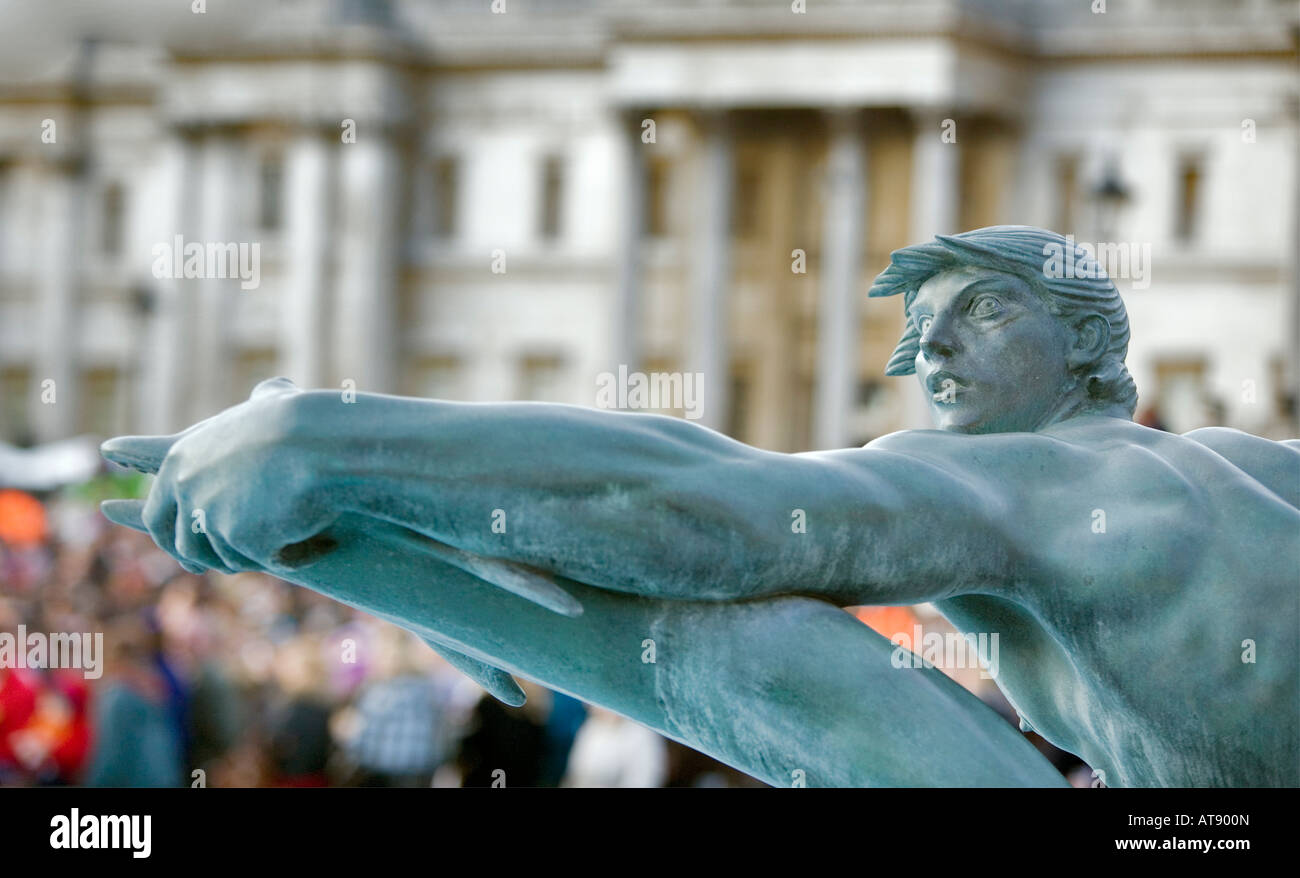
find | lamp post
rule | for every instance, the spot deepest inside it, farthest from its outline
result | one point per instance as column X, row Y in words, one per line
column 1109, row 197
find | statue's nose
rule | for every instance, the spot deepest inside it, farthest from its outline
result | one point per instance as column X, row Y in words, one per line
column 933, row 348
column 936, row 341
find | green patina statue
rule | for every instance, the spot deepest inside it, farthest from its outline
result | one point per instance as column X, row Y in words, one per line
column 1145, row 586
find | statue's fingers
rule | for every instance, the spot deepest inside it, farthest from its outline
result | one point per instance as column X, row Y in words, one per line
column 159, row 513
column 273, row 387
column 192, row 543
column 497, row 682
column 143, row 453
column 232, row 557
column 128, row 513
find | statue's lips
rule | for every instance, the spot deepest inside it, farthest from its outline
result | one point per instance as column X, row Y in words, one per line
column 944, row 386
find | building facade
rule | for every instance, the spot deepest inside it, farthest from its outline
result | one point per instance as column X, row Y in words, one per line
column 488, row 201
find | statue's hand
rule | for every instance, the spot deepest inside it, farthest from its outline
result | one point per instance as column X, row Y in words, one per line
column 236, row 492
column 230, row 494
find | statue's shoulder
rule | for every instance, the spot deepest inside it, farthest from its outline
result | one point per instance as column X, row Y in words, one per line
column 1209, row 458
column 1105, row 433
column 1231, row 439
column 1081, row 444
column 995, row 456
column 1115, row 451
column 1056, row 439
column 1274, row 464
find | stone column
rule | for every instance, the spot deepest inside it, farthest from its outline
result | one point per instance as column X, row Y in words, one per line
column 708, row 350
column 1291, row 361
column 166, row 367
column 838, row 316
column 775, row 343
column 625, row 343
column 936, row 180
column 365, row 332
column 217, row 297
column 303, row 320
column 58, row 272
column 936, row 166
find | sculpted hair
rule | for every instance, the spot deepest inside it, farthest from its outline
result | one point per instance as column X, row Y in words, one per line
column 1023, row 252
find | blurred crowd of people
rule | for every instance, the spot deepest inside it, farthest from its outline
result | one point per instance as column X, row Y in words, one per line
column 245, row 680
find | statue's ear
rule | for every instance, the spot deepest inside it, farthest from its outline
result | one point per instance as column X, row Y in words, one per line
column 1090, row 342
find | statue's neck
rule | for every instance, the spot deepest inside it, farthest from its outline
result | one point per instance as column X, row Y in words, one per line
column 1077, row 403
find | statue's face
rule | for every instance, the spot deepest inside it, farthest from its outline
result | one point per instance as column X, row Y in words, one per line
column 992, row 357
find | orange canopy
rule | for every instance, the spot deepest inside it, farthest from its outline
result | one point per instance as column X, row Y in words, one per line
column 22, row 519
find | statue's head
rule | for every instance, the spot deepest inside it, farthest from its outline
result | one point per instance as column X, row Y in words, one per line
column 999, row 342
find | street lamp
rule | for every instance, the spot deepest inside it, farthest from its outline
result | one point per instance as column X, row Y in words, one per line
column 1109, row 196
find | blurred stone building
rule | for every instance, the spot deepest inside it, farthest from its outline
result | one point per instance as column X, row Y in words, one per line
column 483, row 201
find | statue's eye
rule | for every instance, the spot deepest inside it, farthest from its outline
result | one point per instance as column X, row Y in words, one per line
column 985, row 306
column 923, row 323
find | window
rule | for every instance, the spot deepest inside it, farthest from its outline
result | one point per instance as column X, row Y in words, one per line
column 668, row 403
column 270, row 206
column 5, row 183
column 810, row 204
column 1189, row 195
column 800, row 429
column 552, row 193
column 100, row 412
column 657, row 198
column 446, row 195
column 868, row 392
column 437, row 377
column 112, row 209
column 1183, row 398
column 251, row 366
column 1067, row 185
column 744, row 202
column 15, row 396
column 739, row 411
column 541, row 378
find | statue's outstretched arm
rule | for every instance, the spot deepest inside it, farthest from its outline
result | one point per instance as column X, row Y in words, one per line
column 643, row 504
column 789, row 689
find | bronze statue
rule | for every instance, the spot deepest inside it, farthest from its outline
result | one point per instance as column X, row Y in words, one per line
column 1145, row 585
